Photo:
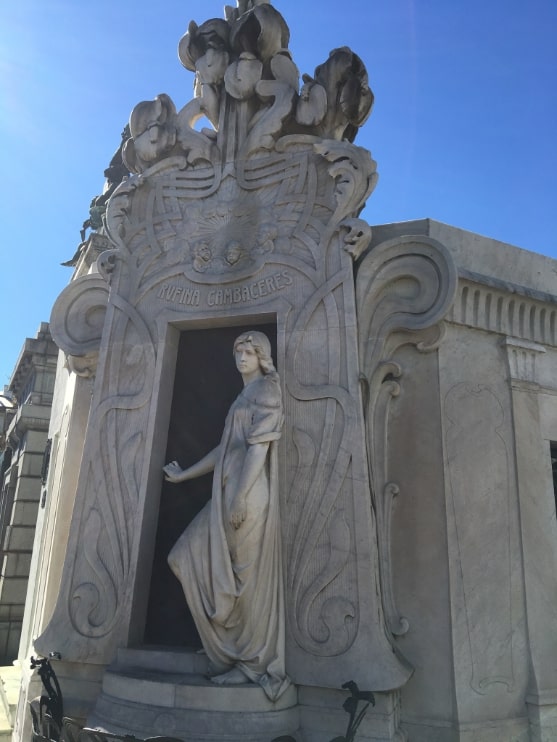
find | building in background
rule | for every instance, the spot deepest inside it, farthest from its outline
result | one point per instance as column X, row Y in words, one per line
column 24, row 419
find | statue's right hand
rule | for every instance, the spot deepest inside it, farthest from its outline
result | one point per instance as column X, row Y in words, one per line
column 172, row 471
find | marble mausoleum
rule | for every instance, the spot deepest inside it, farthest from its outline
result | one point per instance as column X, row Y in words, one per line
column 408, row 464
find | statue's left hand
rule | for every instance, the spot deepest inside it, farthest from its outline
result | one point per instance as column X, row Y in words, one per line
column 238, row 513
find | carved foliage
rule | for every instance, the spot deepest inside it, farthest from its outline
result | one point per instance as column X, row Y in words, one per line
column 111, row 473
column 247, row 86
column 322, row 599
column 404, row 288
column 87, row 326
column 99, row 570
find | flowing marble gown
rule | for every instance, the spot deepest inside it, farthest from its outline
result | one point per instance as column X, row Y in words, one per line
column 232, row 579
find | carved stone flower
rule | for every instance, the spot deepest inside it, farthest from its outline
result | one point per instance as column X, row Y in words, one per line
column 312, row 105
column 262, row 31
column 210, row 68
column 196, row 43
column 153, row 133
column 242, row 76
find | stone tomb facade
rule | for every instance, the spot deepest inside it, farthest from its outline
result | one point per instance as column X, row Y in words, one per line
column 252, row 225
column 410, row 543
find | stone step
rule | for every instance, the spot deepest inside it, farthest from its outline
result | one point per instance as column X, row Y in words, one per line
column 188, row 691
column 144, row 720
column 162, row 658
column 148, row 692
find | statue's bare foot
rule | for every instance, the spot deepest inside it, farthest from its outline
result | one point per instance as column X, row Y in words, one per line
column 232, row 677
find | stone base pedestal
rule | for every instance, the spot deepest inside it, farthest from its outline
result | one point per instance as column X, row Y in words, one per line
column 157, row 692
column 542, row 713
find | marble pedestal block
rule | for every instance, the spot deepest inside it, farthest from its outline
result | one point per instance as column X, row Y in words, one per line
column 159, row 692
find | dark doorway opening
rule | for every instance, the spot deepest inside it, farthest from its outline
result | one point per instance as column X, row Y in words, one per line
column 206, row 383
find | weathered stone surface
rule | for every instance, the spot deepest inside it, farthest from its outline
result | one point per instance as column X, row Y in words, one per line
column 139, row 697
column 417, row 507
column 467, row 443
column 255, row 222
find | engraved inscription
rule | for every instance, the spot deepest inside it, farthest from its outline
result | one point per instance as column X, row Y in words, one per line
column 226, row 296
column 249, row 292
column 179, row 295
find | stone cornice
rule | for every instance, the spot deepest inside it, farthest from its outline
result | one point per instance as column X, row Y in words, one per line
column 488, row 303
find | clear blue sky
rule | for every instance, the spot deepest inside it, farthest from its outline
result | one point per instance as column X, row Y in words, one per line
column 464, row 126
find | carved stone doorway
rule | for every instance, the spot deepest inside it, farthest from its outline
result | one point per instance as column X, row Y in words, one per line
column 206, row 383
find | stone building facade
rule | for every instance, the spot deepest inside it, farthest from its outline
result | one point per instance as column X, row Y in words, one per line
column 24, row 460
column 470, row 440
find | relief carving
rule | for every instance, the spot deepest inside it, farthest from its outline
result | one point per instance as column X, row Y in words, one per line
column 247, row 81
column 230, row 238
column 258, row 215
column 112, row 473
column 521, row 358
column 508, row 309
column 109, row 477
column 77, row 322
column 404, row 288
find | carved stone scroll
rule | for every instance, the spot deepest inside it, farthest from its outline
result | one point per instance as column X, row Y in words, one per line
column 77, row 322
column 78, row 315
column 404, row 288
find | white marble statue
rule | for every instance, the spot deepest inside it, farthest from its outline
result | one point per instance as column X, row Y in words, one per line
column 228, row 559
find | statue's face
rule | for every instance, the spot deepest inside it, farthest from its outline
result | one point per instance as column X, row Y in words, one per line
column 247, row 360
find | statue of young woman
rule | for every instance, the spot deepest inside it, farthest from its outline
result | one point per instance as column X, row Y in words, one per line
column 228, row 559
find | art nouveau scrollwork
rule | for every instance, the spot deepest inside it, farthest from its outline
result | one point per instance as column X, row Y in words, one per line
column 404, row 288
column 356, row 236
column 354, row 173
column 77, row 322
column 256, row 217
